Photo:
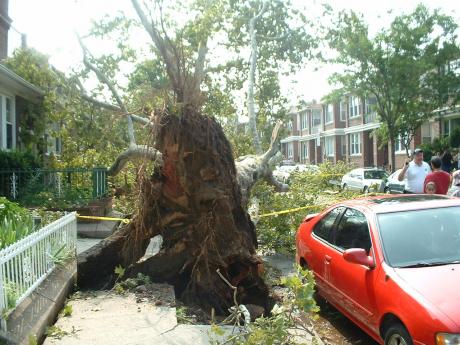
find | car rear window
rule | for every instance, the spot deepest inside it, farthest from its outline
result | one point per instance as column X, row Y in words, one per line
column 420, row 236
column 375, row 174
column 324, row 227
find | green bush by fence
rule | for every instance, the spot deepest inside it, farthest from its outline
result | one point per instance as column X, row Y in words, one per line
column 15, row 222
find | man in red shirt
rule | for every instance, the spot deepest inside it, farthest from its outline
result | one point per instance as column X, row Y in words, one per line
column 440, row 178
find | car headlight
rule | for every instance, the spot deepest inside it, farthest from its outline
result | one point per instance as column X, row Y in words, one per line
column 447, row 339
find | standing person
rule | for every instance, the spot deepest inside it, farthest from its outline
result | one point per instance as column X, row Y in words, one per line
column 438, row 177
column 446, row 159
column 414, row 172
column 455, row 191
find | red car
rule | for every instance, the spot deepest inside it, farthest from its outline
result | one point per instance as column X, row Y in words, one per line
column 391, row 264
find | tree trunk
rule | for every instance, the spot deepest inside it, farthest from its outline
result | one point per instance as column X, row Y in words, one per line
column 195, row 204
column 391, row 154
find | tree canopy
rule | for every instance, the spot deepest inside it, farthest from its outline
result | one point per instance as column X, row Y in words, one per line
column 405, row 67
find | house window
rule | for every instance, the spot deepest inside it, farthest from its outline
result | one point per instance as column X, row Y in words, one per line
column 316, row 117
column 343, row 111
column 354, row 106
column 355, row 144
column 426, row 133
column 304, row 149
column 329, row 113
column 399, row 146
column 58, row 145
column 290, row 125
column 446, row 126
column 343, row 145
column 8, row 120
column 370, row 104
column 329, row 150
column 290, row 150
column 304, row 120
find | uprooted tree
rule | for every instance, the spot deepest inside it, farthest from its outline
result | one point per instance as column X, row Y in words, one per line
column 197, row 195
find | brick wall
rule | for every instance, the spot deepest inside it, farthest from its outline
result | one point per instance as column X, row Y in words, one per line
column 367, row 149
column 355, row 121
column 296, row 155
column 337, row 149
column 357, row 161
column 311, row 151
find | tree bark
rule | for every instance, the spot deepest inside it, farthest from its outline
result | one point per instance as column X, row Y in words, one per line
column 194, row 202
column 252, row 76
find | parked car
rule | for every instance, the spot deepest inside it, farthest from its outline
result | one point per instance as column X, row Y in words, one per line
column 391, row 264
column 362, row 179
column 393, row 185
column 283, row 172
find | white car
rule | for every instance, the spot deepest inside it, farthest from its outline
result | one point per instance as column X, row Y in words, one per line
column 393, row 185
column 283, row 172
column 365, row 179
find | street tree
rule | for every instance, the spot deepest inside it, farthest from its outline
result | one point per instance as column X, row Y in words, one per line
column 279, row 38
column 196, row 196
column 405, row 67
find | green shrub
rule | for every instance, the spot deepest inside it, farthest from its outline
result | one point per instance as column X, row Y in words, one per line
column 15, row 222
column 438, row 145
column 18, row 160
column 307, row 189
column 279, row 326
column 454, row 138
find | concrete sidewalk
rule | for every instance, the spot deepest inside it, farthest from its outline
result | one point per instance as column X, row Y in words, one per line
column 108, row 318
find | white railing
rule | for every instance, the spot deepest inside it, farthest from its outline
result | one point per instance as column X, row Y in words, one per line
column 26, row 263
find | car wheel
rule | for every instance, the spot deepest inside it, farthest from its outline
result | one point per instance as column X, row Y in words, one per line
column 387, row 190
column 365, row 189
column 397, row 334
column 344, row 186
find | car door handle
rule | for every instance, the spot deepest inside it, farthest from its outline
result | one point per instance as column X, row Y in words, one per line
column 327, row 258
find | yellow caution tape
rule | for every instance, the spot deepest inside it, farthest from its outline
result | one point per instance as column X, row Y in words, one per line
column 308, row 207
column 289, row 210
column 123, row 220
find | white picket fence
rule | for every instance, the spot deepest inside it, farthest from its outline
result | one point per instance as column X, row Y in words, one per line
column 26, row 263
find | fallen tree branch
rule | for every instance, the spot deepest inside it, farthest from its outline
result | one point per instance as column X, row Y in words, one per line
column 135, row 152
column 141, row 119
column 251, row 168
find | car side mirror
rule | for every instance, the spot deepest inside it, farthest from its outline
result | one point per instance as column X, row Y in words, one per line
column 358, row 256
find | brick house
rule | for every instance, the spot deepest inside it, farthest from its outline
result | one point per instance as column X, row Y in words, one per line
column 343, row 131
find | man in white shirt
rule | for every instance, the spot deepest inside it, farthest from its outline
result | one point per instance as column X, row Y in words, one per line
column 414, row 172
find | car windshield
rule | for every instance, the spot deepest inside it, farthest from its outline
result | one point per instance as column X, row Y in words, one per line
column 375, row 174
column 421, row 237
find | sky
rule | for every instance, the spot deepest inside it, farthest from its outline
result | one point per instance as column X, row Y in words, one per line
column 50, row 26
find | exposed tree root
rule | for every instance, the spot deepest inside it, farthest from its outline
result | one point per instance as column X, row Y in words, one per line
column 194, row 202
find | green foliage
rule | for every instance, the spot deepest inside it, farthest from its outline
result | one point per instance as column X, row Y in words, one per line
column 270, row 330
column 121, row 287
column 119, row 272
column 56, row 332
column 302, row 289
column 13, row 291
column 18, row 160
column 437, row 146
column 306, row 189
column 403, row 65
column 60, row 254
column 15, row 223
column 46, row 217
column 454, row 138
column 32, row 339
column 67, row 310
column 278, row 328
